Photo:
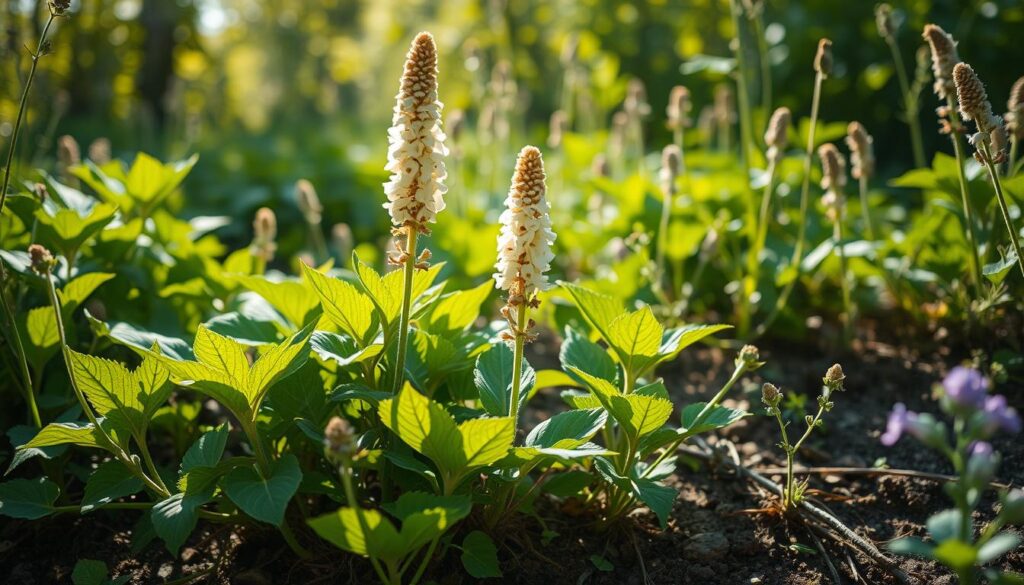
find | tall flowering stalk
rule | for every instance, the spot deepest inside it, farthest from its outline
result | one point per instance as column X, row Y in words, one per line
column 1015, row 121
column 862, row 158
column 989, row 141
column 416, row 189
column 887, row 29
column 776, row 139
column 671, row 165
column 312, row 211
column 822, row 69
column 677, row 114
column 833, row 181
column 944, row 59
column 524, row 257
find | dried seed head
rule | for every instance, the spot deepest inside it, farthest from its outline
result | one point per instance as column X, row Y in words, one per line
column 339, row 440
column 777, row 135
column 599, row 166
column 770, row 395
column 636, row 99
column 823, row 58
column 59, row 7
column 862, row 151
column 884, row 21
column 524, row 243
column 99, row 151
column 557, row 127
column 309, row 203
column 264, row 227
column 974, row 105
column 416, row 147
column 42, row 261
column 678, row 109
column 944, row 59
column 834, row 377
column 1015, row 110
column 68, row 153
column 833, row 168
column 671, row 162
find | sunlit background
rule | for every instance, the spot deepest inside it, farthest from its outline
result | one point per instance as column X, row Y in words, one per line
column 276, row 90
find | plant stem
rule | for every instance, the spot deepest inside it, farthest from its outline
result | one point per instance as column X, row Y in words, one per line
column 517, row 363
column 791, row 499
column 766, row 66
column 751, row 282
column 993, row 172
column 19, row 349
column 21, row 110
column 805, row 191
column 425, row 562
column 403, row 325
column 353, row 502
column 77, row 508
column 865, row 210
column 837, row 235
column 666, row 215
column 965, row 200
column 909, row 103
column 147, row 458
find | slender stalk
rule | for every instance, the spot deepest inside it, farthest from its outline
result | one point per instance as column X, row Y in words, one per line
column 837, row 235
column 425, row 562
column 403, row 326
column 993, row 172
column 805, row 191
column 147, row 458
column 77, row 508
column 751, row 282
column 353, row 502
column 1011, row 163
column 766, row 66
column 21, row 109
column 965, row 199
column 517, row 363
column 909, row 103
column 19, row 350
column 666, row 215
column 791, row 499
column 865, row 210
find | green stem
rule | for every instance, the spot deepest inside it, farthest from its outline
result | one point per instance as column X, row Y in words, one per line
column 993, row 172
column 766, row 66
column 19, row 349
column 517, row 363
column 424, row 563
column 21, row 110
column 791, row 499
column 837, row 234
column 350, row 494
column 965, row 200
column 750, row 284
column 805, row 191
column 403, row 325
column 147, row 458
column 77, row 508
column 666, row 215
column 865, row 210
column 909, row 103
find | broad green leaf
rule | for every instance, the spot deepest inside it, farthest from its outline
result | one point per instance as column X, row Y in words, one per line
column 956, row 553
column 568, row 483
column 296, row 302
column 996, row 272
column 554, row 379
column 19, row 436
column 493, row 379
column 430, row 358
column 175, row 518
column 944, row 525
column 636, row 338
column 579, row 352
column 111, row 481
column 598, row 309
column 637, row 414
column 276, row 363
column 567, row 430
column 658, row 497
column 91, row 572
column 486, row 440
column 243, row 329
column 997, row 546
column 480, row 556
column 223, row 354
column 28, row 499
column 679, row 338
column 341, row 349
column 78, row 290
column 425, row 426
column 127, row 399
column 81, row 434
column 264, row 498
column 361, row 532
column 207, row 450
column 456, row 311
column 142, row 341
column 386, row 292
column 717, row 418
column 67, row 230
column 41, row 334
column 344, row 304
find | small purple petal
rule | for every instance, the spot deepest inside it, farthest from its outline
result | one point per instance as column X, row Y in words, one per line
column 898, row 421
column 966, row 387
column 999, row 415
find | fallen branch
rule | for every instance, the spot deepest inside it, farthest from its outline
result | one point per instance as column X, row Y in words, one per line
column 706, row 453
column 872, row 471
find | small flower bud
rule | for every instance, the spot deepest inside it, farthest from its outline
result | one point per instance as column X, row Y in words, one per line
column 264, row 228
column 59, row 7
column 339, row 440
column 944, row 58
column 678, row 109
column 99, row 151
column 309, row 203
column 770, row 395
column 862, row 151
column 834, row 377
column 965, row 388
column 982, row 463
column 671, row 162
column 42, row 261
column 749, row 358
column 636, row 99
column 777, row 135
column 823, row 58
column 884, row 21
column 833, row 168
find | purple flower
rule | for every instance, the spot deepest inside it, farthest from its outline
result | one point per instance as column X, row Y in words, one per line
column 1000, row 416
column 980, row 449
column 900, row 421
column 966, row 387
column 981, row 463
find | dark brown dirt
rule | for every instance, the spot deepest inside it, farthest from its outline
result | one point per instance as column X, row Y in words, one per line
column 715, row 536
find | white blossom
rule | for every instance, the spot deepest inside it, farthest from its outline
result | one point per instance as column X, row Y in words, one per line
column 524, row 243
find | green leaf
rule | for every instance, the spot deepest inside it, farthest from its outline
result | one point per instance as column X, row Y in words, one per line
column 264, row 499
column 637, row 414
column 601, row 563
column 344, row 304
column 567, row 430
column 911, row 546
column 362, row 532
column 111, row 481
column 456, row 311
column 430, row 358
column 996, row 272
column 243, row 329
column 207, row 450
column 480, row 556
column 569, row 483
column 28, row 499
column 341, row 349
column 493, row 379
column 292, row 299
column 636, row 338
column 277, row 363
column 386, row 292
column 579, row 352
column 67, row 230
column 944, row 525
column 89, row 572
column 175, row 518
column 719, row 417
column 78, row 290
column 486, row 440
column 997, row 546
column 127, row 399
column 956, row 554
column 142, row 341
column 19, row 436
column 81, row 434
column 598, row 309
column 677, row 339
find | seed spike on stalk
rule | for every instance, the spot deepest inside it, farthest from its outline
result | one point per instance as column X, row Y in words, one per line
column 862, row 151
column 1015, row 110
column 823, row 58
column 975, row 106
column 776, row 137
column 944, row 58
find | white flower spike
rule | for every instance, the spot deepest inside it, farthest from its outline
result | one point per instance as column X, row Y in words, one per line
column 524, row 243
